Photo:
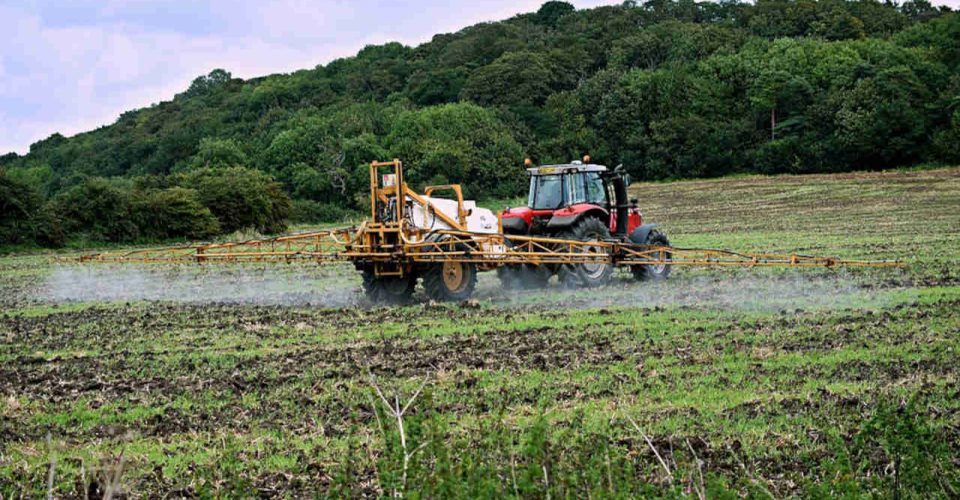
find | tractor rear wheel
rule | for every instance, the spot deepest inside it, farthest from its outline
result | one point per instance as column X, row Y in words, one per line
column 389, row 290
column 450, row 280
column 654, row 272
column 592, row 274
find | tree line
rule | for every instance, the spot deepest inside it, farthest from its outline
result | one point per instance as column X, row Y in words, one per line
column 670, row 88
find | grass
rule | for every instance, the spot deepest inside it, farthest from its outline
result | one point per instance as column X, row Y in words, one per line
column 748, row 383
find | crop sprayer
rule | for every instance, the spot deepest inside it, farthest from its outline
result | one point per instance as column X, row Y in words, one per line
column 578, row 224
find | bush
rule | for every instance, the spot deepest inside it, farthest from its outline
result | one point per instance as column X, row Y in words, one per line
column 99, row 209
column 241, row 198
column 946, row 143
column 46, row 227
column 23, row 217
column 174, row 213
column 104, row 210
column 17, row 203
column 309, row 211
column 781, row 156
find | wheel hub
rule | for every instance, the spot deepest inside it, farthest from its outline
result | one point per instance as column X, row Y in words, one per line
column 593, row 270
column 658, row 268
column 453, row 275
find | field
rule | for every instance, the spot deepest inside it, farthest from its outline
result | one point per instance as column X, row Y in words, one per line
column 279, row 380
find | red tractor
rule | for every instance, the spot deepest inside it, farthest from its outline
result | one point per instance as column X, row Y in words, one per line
column 585, row 202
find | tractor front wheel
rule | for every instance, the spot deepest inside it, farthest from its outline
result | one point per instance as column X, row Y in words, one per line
column 450, row 281
column 588, row 274
column 523, row 276
column 655, row 272
column 389, row 290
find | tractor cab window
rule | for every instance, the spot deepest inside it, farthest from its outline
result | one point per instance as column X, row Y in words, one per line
column 576, row 192
column 546, row 192
column 595, row 190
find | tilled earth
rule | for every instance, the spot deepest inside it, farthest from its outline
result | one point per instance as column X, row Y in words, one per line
column 758, row 383
column 145, row 377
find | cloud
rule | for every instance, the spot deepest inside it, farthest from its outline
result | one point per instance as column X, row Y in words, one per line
column 75, row 78
column 72, row 66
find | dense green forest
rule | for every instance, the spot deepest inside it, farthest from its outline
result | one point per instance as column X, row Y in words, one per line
column 671, row 89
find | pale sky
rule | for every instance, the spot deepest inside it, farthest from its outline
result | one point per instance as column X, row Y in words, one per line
column 71, row 66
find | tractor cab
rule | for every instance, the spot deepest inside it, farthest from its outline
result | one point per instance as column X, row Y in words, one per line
column 561, row 195
column 553, row 187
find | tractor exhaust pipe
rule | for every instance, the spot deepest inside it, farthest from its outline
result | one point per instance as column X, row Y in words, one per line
column 622, row 203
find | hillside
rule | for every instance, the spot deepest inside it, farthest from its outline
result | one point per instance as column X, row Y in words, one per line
column 671, row 89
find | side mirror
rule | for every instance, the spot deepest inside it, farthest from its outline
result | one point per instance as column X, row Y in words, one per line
column 627, row 180
column 634, row 202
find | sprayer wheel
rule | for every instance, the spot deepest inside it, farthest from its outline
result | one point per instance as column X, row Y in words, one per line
column 654, row 272
column 586, row 275
column 450, row 281
column 388, row 290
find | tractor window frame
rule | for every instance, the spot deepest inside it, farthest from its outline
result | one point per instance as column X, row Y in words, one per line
column 536, row 183
column 599, row 194
column 576, row 191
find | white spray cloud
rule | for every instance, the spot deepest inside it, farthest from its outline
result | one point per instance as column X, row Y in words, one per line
column 339, row 286
column 240, row 284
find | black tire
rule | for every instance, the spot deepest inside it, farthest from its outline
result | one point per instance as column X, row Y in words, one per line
column 450, row 281
column 654, row 272
column 586, row 275
column 523, row 276
column 388, row 290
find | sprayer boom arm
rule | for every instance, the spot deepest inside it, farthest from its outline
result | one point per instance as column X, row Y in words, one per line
column 487, row 250
column 393, row 242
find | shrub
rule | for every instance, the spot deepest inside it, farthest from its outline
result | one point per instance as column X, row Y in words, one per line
column 98, row 208
column 946, row 143
column 781, row 156
column 308, row 211
column 240, row 198
column 174, row 213
column 46, row 227
column 17, row 203
column 23, row 216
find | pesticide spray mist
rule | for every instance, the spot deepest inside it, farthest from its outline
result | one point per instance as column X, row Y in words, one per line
column 240, row 284
column 339, row 286
column 742, row 290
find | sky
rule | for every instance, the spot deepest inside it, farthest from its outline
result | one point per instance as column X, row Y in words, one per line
column 71, row 66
